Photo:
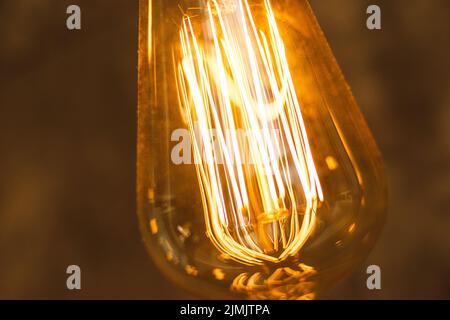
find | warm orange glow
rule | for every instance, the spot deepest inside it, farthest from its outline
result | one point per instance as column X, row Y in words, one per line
column 256, row 171
column 219, row 274
column 154, row 226
column 257, row 174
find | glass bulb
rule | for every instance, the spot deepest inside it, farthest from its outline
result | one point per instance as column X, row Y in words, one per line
column 258, row 177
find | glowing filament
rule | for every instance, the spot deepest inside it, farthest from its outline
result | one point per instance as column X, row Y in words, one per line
column 259, row 185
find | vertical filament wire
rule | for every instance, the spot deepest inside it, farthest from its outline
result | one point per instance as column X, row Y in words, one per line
column 259, row 185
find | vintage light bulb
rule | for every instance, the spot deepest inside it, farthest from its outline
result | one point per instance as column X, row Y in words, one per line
column 257, row 175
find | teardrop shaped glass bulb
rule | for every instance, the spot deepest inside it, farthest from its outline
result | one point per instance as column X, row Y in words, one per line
column 257, row 175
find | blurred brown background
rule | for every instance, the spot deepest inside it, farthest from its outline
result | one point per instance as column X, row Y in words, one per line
column 67, row 146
